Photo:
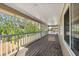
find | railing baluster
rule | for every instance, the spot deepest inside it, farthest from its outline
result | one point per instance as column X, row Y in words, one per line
column 11, row 43
column 31, row 38
column 34, row 36
column 14, row 43
column 24, row 39
column 19, row 40
column 9, row 47
column 1, row 47
column 28, row 39
column 18, row 43
column 38, row 35
column 6, row 46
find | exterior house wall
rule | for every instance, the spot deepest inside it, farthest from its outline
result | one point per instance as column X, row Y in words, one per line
column 66, row 50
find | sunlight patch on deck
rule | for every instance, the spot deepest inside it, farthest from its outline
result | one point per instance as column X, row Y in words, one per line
column 51, row 39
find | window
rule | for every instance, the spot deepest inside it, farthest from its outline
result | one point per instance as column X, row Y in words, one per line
column 75, row 28
column 66, row 26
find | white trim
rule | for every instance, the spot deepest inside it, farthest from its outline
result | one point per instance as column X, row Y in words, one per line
column 71, row 53
column 69, row 49
column 70, row 29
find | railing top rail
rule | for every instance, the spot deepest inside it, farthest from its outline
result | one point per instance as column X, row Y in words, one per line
column 10, row 35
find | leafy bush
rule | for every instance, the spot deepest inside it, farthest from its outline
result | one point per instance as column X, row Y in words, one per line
column 13, row 25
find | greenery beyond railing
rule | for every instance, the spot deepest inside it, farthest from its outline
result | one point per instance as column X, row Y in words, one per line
column 13, row 25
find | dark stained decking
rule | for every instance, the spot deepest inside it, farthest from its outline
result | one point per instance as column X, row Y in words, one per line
column 46, row 46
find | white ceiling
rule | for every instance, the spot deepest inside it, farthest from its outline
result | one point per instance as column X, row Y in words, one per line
column 46, row 12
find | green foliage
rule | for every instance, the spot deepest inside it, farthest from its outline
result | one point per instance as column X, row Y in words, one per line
column 30, row 28
column 13, row 25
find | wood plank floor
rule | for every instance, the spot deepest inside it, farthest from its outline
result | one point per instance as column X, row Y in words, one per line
column 46, row 46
